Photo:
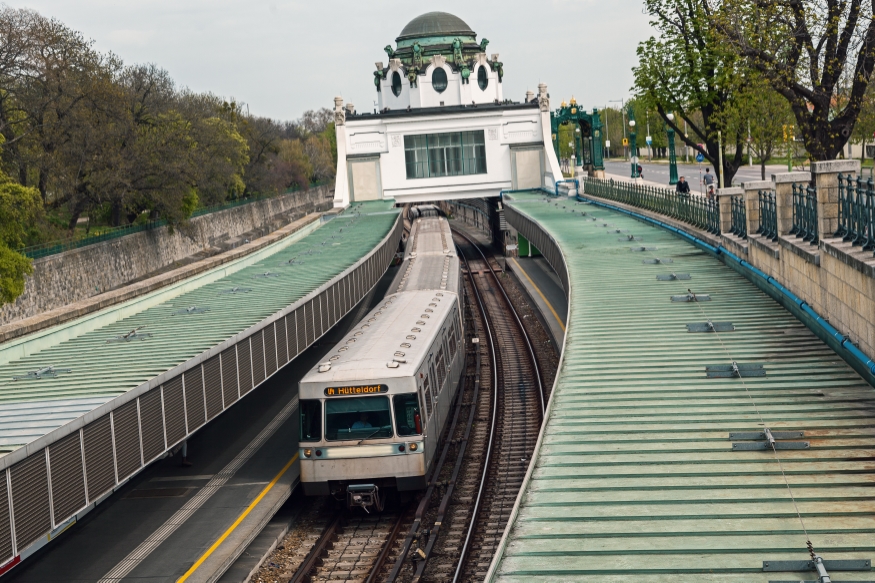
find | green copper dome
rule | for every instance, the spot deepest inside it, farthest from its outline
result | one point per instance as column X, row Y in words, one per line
column 435, row 24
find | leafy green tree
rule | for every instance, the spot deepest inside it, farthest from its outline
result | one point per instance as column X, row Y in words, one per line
column 818, row 54
column 19, row 207
column 687, row 70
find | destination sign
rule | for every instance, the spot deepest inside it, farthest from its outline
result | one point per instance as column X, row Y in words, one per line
column 359, row 390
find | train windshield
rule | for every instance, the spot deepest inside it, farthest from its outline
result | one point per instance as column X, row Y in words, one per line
column 407, row 418
column 357, row 418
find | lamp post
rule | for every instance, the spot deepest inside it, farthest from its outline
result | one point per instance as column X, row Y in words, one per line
column 578, row 149
column 672, row 161
column 633, row 151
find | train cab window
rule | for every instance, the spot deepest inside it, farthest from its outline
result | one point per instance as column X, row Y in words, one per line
column 311, row 420
column 357, row 418
column 407, row 417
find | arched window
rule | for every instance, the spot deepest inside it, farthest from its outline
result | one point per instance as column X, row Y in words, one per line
column 482, row 78
column 439, row 80
column 396, row 83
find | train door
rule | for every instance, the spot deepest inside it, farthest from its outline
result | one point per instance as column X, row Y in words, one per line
column 430, row 436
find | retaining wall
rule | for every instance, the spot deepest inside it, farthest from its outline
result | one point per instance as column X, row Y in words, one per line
column 65, row 278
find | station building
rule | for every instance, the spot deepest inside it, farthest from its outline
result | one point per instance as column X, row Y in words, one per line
column 443, row 128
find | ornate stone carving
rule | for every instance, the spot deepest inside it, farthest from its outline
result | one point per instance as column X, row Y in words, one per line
column 457, row 52
column 394, row 65
column 417, row 56
column 438, row 60
column 543, row 99
column 411, row 76
column 389, row 51
column 483, row 43
column 339, row 114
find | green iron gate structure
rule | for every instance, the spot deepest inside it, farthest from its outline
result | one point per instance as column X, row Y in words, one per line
column 587, row 141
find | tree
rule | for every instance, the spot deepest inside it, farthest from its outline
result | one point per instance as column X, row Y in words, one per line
column 19, row 207
column 864, row 129
column 764, row 112
column 808, row 50
column 688, row 71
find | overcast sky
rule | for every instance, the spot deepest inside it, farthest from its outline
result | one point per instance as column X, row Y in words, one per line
column 282, row 57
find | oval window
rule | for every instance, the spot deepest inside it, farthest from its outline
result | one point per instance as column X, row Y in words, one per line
column 396, row 83
column 482, row 78
column 439, row 80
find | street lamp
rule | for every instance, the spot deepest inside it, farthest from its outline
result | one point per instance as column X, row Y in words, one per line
column 672, row 161
column 579, row 149
column 633, row 151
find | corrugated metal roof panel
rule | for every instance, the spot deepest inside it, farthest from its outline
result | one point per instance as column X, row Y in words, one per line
column 636, row 478
column 101, row 370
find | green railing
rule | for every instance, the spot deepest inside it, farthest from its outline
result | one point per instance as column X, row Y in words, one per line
column 805, row 213
column 768, row 215
column 857, row 211
column 107, row 234
column 695, row 210
column 739, row 217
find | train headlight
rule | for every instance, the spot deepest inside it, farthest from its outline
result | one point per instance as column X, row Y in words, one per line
column 412, row 447
column 308, row 452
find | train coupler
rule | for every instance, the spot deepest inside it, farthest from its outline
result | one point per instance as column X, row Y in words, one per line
column 365, row 496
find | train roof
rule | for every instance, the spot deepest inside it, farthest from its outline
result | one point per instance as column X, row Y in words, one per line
column 430, row 259
column 399, row 331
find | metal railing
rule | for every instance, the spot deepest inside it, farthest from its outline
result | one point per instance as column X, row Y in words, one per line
column 805, row 213
column 109, row 233
column 695, row 210
column 856, row 211
column 739, row 217
column 768, row 215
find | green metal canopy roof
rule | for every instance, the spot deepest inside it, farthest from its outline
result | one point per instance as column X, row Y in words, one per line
column 94, row 366
column 636, row 477
column 435, row 24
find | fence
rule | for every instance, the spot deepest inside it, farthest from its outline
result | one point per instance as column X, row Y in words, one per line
column 805, row 213
column 53, row 247
column 739, row 217
column 768, row 215
column 856, row 211
column 691, row 209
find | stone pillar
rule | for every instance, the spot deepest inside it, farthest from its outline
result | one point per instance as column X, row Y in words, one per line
column 826, row 181
column 783, row 184
column 752, row 202
column 724, row 199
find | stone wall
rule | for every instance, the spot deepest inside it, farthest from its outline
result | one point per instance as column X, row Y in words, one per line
column 72, row 276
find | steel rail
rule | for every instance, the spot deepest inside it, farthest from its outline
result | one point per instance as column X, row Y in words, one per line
column 451, row 487
column 302, row 575
column 519, row 322
column 384, row 552
column 493, row 354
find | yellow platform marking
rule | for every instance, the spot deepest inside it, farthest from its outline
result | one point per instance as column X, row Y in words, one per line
column 237, row 522
column 540, row 293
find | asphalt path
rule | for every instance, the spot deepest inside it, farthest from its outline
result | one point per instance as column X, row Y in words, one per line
column 659, row 172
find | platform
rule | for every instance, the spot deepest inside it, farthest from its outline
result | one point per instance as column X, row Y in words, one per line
column 636, row 478
column 136, row 380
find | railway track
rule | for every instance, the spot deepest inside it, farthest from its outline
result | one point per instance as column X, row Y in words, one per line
column 453, row 531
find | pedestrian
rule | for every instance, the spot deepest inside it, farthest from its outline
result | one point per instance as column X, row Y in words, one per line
column 708, row 179
column 640, row 171
column 683, row 187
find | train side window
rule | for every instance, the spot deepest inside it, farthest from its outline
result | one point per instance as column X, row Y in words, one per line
column 441, row 368
column 451, row 341
column 426, row 396
column 311, row 420
column 407, row 418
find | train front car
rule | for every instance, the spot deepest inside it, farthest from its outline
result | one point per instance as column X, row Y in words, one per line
column 372, row 413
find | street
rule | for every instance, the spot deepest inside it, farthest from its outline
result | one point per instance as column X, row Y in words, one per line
column 659, row 172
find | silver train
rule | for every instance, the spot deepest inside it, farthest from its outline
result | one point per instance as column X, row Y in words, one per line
column 372, row 413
